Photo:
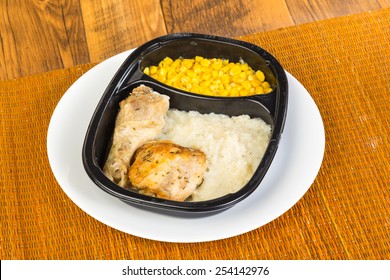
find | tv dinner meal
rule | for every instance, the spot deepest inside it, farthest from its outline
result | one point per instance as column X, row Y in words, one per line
column 189, row 124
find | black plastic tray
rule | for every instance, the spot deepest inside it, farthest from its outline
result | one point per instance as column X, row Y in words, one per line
column 271, row 107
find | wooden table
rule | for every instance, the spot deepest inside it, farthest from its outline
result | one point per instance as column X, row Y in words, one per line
column 338, row 50
column 39, row 36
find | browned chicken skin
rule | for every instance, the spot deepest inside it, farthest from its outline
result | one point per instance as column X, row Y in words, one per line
column 166, row 170
column 140, row 119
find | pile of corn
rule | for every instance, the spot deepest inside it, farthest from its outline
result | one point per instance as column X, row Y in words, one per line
column 215, row 76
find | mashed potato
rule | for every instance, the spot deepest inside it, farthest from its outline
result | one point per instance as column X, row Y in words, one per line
column 234, row 147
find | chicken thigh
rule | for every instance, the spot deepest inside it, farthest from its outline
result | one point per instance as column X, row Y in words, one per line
column 140, row 119
column 166, row 170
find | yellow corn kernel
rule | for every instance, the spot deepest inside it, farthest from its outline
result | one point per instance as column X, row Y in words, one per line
column 235, row 70
column 213, row 87
column 162, row 79
column 187, row 63
column 162, row 72
column 208, row 92
column 205, row 62
column 206, row 76
column 176, row 63
column 224, row 92
column 247, row 85
column 244, row 67
column 195, row 80
column 255, row 82
column 198, row 58
column 195, row 88
column 259, row 90
column 226, row 68
column 234, row 92
column 244, row 92
column 237, row 79
column 171, row 73
column 197, row 68
column 153, row 70
column 260, row 75
column 183, row 69
column 175, row 78
column 205, row 84
column 188, row 86
column 206, row 70
column 225, row 79
column 242, row 75
column 191, row 73
column 231, row 64
column 172, row 80
column 168, row 61
column 184, row 80
column 217, row 64
column 265, row 85
column 177, row 84
column 147, row 71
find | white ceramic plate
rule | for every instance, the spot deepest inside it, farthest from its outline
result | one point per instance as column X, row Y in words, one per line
column 293, row 170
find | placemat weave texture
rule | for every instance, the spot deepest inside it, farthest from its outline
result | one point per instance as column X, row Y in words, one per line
column 342, row 62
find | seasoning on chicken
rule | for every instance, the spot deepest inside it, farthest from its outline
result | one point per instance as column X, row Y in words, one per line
column 167, row 170
column 140, row 119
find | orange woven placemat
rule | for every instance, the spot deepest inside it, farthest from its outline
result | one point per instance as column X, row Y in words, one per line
column 343, row 63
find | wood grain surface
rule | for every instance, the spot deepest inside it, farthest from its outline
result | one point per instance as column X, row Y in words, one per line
column 42, row 35
column 342, row 62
